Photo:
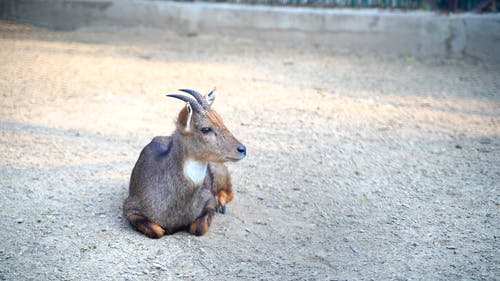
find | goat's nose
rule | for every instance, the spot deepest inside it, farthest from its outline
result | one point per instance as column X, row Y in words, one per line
column 242, row 149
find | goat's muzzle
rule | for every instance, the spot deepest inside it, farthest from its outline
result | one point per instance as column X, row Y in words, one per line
column 241, row 152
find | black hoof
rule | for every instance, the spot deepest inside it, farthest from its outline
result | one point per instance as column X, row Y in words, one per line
column 221, row 209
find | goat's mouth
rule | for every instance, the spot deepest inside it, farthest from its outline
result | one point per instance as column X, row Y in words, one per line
column 234, row 159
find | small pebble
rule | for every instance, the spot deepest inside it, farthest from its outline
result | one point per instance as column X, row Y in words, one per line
column 484, row 140
column 353, row 249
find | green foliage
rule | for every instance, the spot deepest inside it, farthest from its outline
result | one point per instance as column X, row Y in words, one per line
column 426, row 5
column 48, row 213
column 409, row 59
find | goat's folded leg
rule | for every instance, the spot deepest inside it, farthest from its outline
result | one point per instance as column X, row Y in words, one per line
column 140, row 221
column 144, row 225
column 200, row 226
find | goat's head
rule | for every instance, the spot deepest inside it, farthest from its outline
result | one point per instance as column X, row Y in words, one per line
column 204, row 134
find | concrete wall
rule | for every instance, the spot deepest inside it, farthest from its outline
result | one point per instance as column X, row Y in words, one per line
column 418, row 34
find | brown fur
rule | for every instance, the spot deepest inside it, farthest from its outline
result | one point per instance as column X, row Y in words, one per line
column 149, row 228
column 222, row 186
column 162, row 198
column 200, row 225
column 224, row 197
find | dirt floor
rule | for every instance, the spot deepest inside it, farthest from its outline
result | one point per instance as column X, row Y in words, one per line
column 358, row 167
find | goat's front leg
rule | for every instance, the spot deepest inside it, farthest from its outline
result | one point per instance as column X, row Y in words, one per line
column 222, row 187
column 223, row 196
column 202, row 223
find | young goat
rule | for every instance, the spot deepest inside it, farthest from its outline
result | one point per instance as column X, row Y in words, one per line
column 180, row 181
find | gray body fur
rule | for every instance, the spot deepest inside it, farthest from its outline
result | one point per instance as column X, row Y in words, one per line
column 159, row 190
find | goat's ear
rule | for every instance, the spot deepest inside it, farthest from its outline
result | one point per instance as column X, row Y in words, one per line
column 190, row 114
column 210, row 97
column 185, row 117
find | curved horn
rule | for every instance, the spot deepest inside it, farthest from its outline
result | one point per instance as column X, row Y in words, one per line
column 201, row 100
column 195, row 105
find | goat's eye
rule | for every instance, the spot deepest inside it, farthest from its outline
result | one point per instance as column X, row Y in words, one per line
column 206, row 130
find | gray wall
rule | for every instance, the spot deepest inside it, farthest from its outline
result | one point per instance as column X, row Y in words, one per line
column 417, row 34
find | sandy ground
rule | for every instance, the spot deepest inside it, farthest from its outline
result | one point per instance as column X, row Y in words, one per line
column 358, row 167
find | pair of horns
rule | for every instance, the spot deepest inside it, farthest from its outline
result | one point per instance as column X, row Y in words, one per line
column 199, row 103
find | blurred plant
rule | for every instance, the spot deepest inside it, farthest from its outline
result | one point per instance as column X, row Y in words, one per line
column 409, row 59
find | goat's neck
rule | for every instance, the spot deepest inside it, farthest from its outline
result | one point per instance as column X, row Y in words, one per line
column 192, row 169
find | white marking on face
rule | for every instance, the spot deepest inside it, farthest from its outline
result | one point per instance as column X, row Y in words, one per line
column 195, row 171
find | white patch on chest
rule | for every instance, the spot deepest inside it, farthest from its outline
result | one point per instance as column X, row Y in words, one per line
column 195, row 171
